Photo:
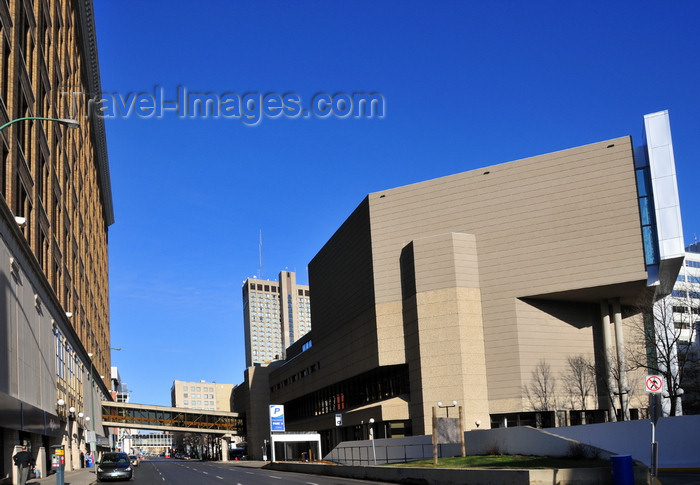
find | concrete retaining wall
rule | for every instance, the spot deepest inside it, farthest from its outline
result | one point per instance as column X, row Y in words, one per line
column 677, row 438
column 451, row 476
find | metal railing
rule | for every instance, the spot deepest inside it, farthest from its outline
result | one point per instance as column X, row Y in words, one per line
column 363, row 455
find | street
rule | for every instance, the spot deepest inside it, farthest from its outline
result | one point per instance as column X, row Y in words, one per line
column 177, row 472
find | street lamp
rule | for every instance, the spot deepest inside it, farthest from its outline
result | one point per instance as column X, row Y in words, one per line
column 93, row 444
column 447, row 406
column 68, row 122
column 371, row 436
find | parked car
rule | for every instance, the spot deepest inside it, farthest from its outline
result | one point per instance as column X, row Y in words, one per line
column 134, row 460
column 115, row 466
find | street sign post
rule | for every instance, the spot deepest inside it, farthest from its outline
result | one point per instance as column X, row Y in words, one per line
column 654, row 385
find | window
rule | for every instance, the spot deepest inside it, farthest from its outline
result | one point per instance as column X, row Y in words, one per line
column 185, row 395
column 60, row 356
column 646, row 209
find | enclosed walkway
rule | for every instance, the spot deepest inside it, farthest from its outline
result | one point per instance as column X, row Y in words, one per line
column 144, row 416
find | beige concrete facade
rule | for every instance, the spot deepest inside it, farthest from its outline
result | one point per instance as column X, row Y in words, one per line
column 208, row 396
column 458, row 288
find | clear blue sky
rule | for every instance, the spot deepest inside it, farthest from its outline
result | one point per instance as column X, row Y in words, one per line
column 466, row 84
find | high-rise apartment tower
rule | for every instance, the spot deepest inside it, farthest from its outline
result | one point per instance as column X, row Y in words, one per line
column 275, row 315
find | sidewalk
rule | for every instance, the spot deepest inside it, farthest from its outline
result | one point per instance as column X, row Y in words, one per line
column 82, row 476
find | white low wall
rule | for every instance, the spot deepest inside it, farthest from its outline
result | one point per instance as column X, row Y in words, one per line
column 677, row 438
column 678, row 442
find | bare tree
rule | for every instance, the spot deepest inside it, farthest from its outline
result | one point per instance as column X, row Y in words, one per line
column 579, row 381
column 540, row 392
column 665, row 350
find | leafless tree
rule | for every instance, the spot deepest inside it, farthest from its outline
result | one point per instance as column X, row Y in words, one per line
column 540, row 392
column 188, row 442
column 665, row 350
column 579, row 381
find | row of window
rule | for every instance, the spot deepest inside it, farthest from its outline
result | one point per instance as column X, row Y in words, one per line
column 692, row 264
column 274, row 289
column 683, row 325
column 295, row 377
column 688, row 278
column 262, row 287
column 197, row 388
column 372, row 386
column 199, row 396
column 685, row 294
column 199, row 403
column 685, row 309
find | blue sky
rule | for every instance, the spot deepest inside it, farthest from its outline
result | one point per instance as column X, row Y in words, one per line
column 465, row 84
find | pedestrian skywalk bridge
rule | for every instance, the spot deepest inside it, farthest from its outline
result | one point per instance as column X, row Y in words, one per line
column 144, row 416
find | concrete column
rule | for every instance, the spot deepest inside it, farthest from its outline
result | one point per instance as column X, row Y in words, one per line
column 621, row 360
column 607, row 347
column 41, row 464
column 15, row 469
column 74, row 448
column 224, row 442
column 8, row 440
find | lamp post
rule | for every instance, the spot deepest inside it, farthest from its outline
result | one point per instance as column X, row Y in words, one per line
column 93, row 444
column 447, row 406
column 371, row 436
column 68, row 122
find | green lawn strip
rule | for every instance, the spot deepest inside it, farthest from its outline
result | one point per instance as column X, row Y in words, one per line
column 507, row 461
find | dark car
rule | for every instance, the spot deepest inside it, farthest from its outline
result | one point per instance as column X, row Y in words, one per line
column 114, row 466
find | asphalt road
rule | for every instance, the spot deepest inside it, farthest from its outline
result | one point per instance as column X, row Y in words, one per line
column 178, row 472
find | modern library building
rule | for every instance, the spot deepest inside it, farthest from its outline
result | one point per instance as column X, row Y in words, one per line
column 470, row 288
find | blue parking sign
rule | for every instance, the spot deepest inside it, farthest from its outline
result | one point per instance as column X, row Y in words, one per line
column 276, row 417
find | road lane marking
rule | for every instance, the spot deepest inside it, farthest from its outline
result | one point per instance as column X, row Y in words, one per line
column 220, row 478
